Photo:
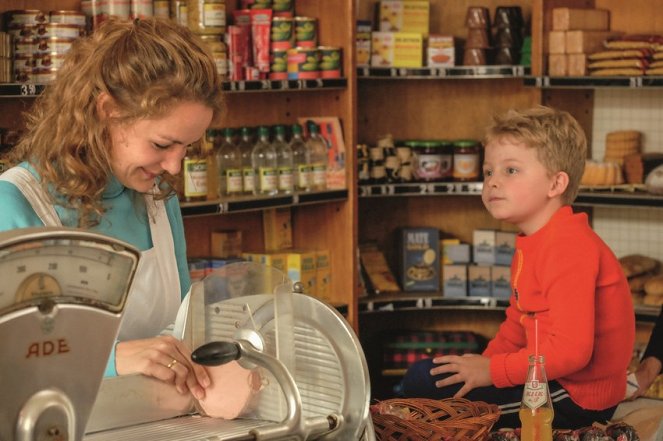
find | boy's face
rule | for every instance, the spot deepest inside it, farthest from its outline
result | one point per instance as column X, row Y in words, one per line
column 517, row 187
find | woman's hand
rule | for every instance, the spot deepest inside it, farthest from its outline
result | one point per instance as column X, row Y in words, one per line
column 472, row 369
column 646, row 373
column 164, row 358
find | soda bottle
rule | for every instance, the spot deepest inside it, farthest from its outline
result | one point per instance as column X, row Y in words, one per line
column 318, row 150
column 284, row 161
column 229, row 166
column 245, row 146
column 536, row 410
column 263, row 158
column 301, row 159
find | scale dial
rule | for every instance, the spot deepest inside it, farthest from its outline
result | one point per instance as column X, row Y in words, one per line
column 78, row 267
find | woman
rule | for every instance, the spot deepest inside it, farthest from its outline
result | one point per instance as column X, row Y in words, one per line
column 101, row 149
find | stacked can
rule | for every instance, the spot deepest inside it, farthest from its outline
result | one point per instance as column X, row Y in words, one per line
column 5, row 58
column 304, row 57
column 40, row 41
column 282, row 40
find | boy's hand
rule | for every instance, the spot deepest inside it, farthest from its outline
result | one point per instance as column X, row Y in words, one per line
column 472, row 369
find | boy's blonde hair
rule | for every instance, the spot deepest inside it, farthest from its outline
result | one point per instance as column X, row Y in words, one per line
column 146, row 67
column 559, row 140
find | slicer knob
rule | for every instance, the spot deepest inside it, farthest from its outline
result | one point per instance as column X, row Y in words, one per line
column 216, row 353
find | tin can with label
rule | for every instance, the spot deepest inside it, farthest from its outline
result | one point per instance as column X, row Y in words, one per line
column 306, row 32
column 43, row 75
column 206, row 17
column 54, row 45
column 68, row 17
column 60, row 30
column 24, row 47
column 330, row 62
column 22, row 71
column 283, row 8
column 278, row 68
column 49, row 60
column 282, row 33
column 303, row 63
column 22, row 31
column 25, row 17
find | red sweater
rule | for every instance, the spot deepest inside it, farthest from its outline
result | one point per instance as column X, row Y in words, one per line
column 569, row 279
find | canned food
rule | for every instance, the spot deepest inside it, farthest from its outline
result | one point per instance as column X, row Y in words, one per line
column 60, row 30
column 24, row 47
column 68, row 17
column 44, row 75
column 116, row 8
column 25, row 17
column 306, row 33
column 256, row 4
column 303, row 63
column 142, row 8
column 22, row 31
column 278, row 67
column 330, row 62
column 162, row 8
column 283, row 8
column 282, row 36
column 49, row 60
column 206, row 16
column 23, row 69
column 54, row 44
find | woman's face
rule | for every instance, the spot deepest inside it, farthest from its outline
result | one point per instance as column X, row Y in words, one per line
column 143, row 150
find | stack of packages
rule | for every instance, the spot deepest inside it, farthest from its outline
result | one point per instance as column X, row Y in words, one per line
column 628, row 55
column 575, row 33
column 618, row 145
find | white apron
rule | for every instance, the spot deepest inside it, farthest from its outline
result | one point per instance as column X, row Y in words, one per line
column 155, row 295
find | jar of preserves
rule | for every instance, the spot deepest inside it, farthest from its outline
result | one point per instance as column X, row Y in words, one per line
column 206, row 17
column 467, row 161
column 432, row 160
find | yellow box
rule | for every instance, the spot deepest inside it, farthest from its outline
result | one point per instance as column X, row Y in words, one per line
column 396, row 49
column 226, row 243
column 404, row 16
column 323, row 275
column 301, row 268
column 275, row 260
column 441, row 51
column 277, row 228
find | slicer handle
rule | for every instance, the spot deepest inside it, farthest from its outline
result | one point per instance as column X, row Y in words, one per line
column 216, row 353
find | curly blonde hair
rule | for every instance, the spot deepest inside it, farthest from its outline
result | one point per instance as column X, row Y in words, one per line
column 556, row 136
column 145, row 66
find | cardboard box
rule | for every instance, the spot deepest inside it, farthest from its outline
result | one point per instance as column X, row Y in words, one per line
column 420, row 259
column 568, row 19
column 454, row 281
column 484, row 246
column 376, row 268
column 577, row 65
column 457, row 253
column 277, row 228
column 226, row 243
column 500, row 277
column 441, row 51
column 301, row 268
column 556, row 42
column 478, row 281
column 363, row 43
column 505, row 246
column 396, row 49
column 323, row 275
column 558, row 65
column 587, row 42
column 404, row 16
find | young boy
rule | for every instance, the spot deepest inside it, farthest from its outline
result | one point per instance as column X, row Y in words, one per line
column 562, row 275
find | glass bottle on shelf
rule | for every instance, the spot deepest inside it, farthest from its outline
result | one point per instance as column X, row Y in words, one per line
column 301, row 159
column 263, row 158
column 284, row 161
column 536, row 410
column 318, row 150
column 229, row 166
column 195, row 174
column 248, row 172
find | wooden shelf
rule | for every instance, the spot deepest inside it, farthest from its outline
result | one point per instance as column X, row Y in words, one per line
column 257, row 203
column 641, row 82
column 433, row 73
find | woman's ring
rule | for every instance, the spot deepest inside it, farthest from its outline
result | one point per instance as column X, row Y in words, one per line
column 171, row 364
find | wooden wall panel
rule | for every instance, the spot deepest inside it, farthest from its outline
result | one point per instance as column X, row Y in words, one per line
column 443, row 109
column 198, row 231
column 634, row 16
column 579, row 103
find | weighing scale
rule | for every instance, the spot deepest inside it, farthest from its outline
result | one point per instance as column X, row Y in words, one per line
column 61, row 303
column 62, row 294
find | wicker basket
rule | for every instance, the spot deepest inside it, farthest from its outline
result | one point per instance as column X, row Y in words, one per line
column 422, row 419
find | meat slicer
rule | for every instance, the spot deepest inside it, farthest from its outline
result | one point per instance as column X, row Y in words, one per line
column 61, row 302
